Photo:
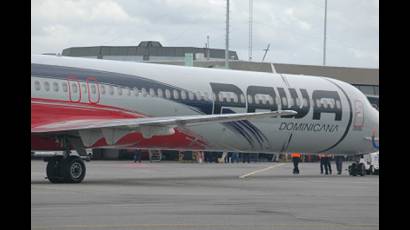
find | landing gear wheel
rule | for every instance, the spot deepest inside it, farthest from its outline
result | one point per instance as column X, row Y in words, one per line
column 54, row 170
column 69, row 170
column 73, row 169
column 353, row 169
column 371, row 170
column 362, row 169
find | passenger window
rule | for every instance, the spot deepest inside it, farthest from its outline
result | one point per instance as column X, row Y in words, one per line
column 119, row 91
column 47, row 86
column 37, row 85
column 176, row 95
column 111, row 90
column 64, row 86
column 152, row 92
column 183, row 95
column 102, row 89
column 93, row 90
column 74, row 86
column 84, row 88
column 144, row 92
column 191, row 96
column 55, row 86
column 167, row 93
column 199, row 96
column 160, row 93
column 136, row 92
column 127, row 91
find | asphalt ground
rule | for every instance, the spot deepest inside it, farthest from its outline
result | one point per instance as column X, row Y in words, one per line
column 125, row 195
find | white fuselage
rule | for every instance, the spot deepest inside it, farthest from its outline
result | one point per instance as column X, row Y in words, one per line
column 333, row 116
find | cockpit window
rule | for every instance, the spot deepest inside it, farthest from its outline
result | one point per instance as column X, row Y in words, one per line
column 374, row 101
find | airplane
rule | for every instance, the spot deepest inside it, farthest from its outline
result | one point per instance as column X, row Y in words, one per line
column 84, row 103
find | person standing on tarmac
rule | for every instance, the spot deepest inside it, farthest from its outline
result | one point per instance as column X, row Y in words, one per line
column 246, row 158
column 296, row 159
column 322, row 161
column 328, row 166
column 339, row 162
column 137, row 156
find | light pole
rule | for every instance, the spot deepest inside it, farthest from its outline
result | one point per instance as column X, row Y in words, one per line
column 324, row 36
column 227, row 36
column 250, row 28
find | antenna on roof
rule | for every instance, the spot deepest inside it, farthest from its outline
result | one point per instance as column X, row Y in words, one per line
column 266, row 51
column 207, row 47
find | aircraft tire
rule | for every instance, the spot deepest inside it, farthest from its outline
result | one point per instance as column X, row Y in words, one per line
column 73, row 169
column 353, row 169
column 54, row 170
column 362, row 169
column 371, row 170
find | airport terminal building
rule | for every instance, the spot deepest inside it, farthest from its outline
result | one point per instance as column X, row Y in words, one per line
column 148, row 51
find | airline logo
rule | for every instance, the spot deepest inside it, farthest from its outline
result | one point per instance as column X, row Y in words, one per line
column 325, row 101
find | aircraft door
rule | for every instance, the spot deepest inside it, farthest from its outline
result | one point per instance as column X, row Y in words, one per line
column 74, row 89
column 358, row 115
column 93, row 90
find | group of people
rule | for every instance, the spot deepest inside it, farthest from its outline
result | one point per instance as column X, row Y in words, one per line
column 324, row 163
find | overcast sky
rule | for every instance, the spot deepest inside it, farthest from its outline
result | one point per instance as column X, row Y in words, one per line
column 294, row 28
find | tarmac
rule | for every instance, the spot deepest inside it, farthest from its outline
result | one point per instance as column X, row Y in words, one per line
column 127, row 195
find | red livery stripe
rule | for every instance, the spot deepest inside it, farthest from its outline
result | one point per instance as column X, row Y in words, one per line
column 49, row 111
